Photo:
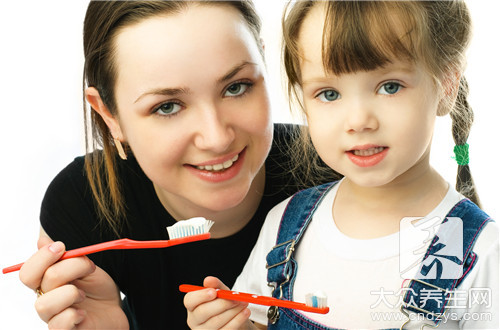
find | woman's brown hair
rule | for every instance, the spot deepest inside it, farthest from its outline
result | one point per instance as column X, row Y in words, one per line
column 103, row 21
column 365, row 35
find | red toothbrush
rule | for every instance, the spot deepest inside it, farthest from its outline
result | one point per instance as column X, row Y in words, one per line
column 259, row 300
column 182, row 232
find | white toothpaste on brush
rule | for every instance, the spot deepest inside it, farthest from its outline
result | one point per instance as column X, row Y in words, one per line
column 316, row 299
column 193, row 226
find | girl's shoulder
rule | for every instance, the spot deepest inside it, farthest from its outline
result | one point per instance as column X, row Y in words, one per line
column 295, row 203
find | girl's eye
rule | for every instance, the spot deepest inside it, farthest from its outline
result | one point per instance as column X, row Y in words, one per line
column 328, row 95
column 166, row 109
column 390, row 88
column 237, row 89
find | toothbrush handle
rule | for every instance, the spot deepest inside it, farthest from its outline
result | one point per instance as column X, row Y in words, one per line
column 120, row 244
column 259, row 300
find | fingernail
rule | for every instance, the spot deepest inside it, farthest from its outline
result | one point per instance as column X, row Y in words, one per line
column 56, row 247
column 81, row 313
column 81, row 297
column 246, row 312
column 240, row 303
column 212, row 294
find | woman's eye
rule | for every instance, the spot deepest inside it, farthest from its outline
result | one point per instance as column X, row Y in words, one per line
column 168, row 108
column 328, row 95
column 390, row 88
column 237, row 89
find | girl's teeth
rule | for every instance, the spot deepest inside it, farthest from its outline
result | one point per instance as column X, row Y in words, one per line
column 219, row 167
column 368, row 152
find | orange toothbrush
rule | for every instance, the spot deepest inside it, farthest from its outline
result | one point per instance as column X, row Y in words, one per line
column 259, row 300
column 182, row 232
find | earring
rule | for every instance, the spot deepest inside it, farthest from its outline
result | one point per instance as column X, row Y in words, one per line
column 119, row 147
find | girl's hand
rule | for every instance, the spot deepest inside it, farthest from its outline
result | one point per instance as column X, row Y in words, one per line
column 76, row 293
column 206, row 311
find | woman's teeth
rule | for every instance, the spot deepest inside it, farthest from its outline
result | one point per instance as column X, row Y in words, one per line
column 368, row 152
column 219, row 167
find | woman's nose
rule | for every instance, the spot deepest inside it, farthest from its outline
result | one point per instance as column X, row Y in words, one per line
column 214, row 132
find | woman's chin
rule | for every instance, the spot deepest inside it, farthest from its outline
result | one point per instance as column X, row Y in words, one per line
column 222, row 202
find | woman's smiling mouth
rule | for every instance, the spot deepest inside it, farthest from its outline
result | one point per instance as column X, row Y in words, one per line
column 219, row 167
column 219, row 170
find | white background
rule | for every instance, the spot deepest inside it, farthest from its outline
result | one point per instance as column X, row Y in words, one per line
column 41, row 127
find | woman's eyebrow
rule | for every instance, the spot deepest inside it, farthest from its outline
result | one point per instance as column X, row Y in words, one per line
column 164, row 91
column 182, row 90
column 233, row 71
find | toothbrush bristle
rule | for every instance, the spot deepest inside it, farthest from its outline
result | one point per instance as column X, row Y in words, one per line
column 317, row 299
column 190, row 227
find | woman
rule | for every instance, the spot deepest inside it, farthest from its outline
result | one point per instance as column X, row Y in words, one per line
column 180, row 108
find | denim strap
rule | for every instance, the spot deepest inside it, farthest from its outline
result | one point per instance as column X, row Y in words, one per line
column 294, row 221
column 473, row 221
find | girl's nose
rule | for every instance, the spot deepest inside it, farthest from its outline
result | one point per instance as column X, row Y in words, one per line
column 214, row 132
column 360, row 117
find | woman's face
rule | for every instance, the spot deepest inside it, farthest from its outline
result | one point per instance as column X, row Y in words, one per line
column 193, row 105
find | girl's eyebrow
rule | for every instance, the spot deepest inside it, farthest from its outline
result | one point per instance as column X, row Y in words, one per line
column 316, row 80
column 402, row 67
column 390, row 68
column 184, row 90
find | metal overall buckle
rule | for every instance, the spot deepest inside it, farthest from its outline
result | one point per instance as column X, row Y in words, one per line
column 404, row 308
column 273, row 313
column 289, row 252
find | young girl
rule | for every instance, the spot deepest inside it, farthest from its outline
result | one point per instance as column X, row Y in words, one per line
column 372, row 77
column 179, row 126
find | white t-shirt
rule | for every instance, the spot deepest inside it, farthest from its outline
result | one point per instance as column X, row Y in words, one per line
column 362, row 278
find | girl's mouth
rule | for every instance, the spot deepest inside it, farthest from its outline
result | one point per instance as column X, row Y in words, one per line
column 366, row 156
column 368, row 152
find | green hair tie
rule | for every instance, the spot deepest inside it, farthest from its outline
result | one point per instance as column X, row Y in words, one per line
column 461, row 154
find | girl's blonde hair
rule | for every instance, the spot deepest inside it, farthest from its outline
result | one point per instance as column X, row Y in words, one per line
column 103, row 21
column 365, row 35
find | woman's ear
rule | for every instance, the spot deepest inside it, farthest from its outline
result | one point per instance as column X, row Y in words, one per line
column 94, row 99
column 451, row 84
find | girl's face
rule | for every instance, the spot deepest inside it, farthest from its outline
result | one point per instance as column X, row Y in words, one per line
column 193, row 105
column 375, row 127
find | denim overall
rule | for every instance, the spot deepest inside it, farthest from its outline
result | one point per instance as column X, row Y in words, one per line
column 282, row 267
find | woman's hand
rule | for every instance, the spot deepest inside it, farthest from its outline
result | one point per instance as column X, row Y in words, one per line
column 76, row 293
column 206, row 311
